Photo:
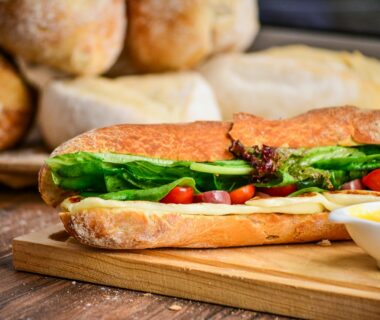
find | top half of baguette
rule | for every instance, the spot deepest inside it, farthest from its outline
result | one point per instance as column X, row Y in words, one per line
column 209, row 141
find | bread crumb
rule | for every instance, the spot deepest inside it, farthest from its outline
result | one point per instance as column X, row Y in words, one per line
column 147, row 294
column 175, row 307
column 73, row 282
column 324, row 243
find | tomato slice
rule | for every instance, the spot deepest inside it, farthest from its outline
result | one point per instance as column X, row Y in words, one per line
column 372, row 180
column 180, row 195
column 280, row 191
column 243, row 194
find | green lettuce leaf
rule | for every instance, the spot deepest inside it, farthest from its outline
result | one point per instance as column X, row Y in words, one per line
column 121, row 176
column 323, row 167
column 129, row 177
column 151, row 194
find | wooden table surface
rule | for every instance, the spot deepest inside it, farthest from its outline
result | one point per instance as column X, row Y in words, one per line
column 31, row 296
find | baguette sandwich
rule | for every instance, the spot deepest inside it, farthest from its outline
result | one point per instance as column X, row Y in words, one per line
column 215, row 184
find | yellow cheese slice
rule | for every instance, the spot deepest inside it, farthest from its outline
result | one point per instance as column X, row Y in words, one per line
column 306, row 204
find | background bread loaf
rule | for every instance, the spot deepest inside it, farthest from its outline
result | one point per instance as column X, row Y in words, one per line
column 79, row 37
column 178, row 34
column 15, row 106
column 69, row 108
column 290, row 80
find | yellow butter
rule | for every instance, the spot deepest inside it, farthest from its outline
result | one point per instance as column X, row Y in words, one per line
column 366, row 214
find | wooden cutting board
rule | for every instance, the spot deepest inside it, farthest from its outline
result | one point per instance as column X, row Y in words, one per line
column 307, row 281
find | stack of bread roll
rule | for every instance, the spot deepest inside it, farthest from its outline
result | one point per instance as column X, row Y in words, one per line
column 100, row 62
column 71, row 51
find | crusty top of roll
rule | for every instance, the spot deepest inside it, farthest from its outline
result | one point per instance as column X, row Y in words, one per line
column 345, row 126
column 209, row 141
column 196, row 141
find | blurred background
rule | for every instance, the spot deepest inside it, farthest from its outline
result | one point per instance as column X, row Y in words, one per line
column 342, row 25
column 74, row 65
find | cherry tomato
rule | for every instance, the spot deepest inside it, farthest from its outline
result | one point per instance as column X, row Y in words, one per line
column 243, row 194
column 280, row 191
column 372, row 180
column 180, row 195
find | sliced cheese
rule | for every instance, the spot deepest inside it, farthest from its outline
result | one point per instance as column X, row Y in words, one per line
column 306, row 204
column 346, row 198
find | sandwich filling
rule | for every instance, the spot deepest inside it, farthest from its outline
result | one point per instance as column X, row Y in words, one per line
column 270, row 171
column 310, row 203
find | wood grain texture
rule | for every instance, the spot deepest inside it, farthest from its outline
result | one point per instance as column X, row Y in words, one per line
column 20, row 213
column 32, row 296
column 306, row 281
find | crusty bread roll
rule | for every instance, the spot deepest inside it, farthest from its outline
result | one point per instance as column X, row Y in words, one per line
column 141, row 224
column 178, row 34
column 80, row 37
column 15, row 106
column 286, row 81
column 72, row 107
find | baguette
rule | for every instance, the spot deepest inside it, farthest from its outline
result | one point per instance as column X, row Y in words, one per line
column 129, row 224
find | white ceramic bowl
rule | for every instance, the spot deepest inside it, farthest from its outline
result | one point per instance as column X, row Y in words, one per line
column 365, row 233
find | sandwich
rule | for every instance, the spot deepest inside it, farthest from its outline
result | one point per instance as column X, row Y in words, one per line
column 215, row 184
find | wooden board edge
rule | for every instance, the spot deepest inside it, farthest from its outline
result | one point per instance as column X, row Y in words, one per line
column 44, row 237
column 254, row 294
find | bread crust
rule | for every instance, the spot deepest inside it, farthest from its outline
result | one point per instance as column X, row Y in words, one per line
column 167, row 36
column 79, row 37
column 131, row 229
column 346, row 126
column 16, row 106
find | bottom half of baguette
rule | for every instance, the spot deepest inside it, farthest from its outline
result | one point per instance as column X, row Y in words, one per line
column 128, row 228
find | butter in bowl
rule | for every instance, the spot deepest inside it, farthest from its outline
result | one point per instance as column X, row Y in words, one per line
column 363, row 224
